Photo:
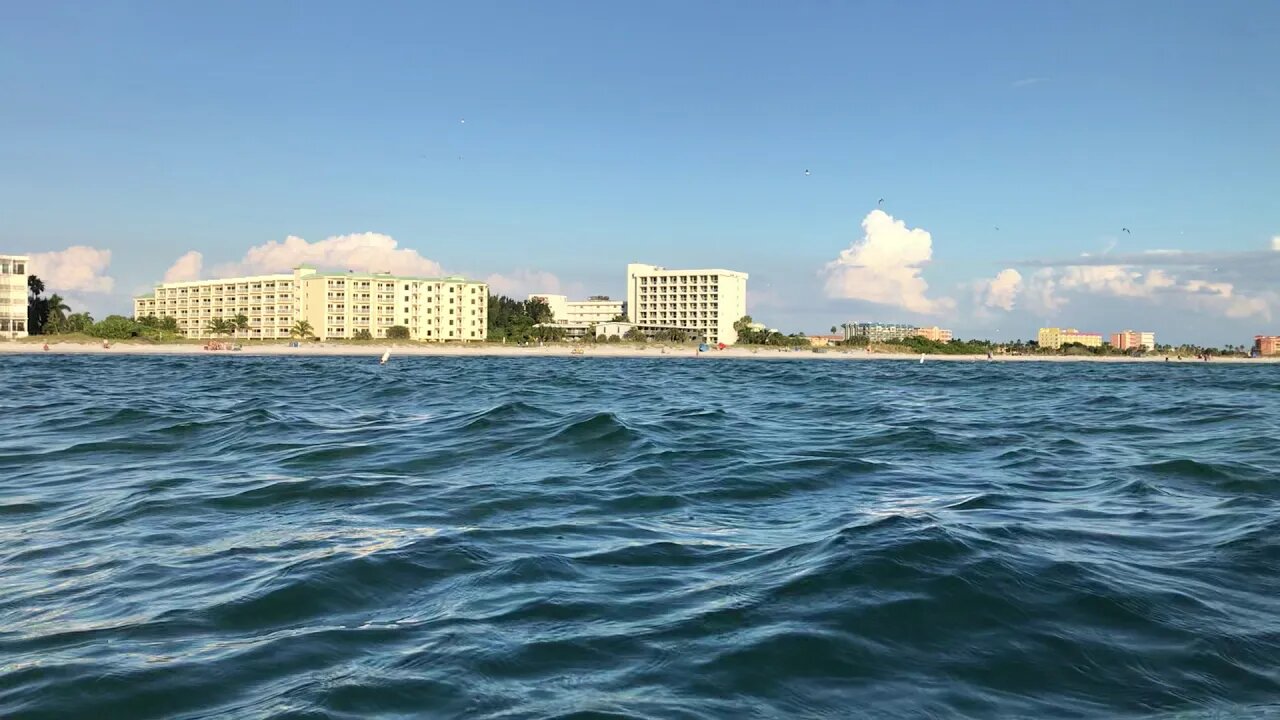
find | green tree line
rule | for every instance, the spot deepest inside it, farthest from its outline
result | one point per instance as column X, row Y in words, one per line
column 514, row 320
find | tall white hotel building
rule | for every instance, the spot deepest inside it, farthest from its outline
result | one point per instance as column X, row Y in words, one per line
column 336, row 305
column 707, row 302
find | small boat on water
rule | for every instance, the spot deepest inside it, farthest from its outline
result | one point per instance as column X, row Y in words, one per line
column 386, row 355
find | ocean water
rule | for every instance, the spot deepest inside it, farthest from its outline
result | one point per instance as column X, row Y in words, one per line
column 200, row 537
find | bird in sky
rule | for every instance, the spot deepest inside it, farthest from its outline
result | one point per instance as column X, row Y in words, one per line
column 881, row 202
column 806, row 172
column 1125, row 230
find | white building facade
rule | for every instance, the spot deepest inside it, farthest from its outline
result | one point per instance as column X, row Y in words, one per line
column 334, row 305
column 13, row 296
column 704, row 302
column 597, row 309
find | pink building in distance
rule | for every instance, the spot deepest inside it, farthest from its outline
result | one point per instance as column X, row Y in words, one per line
column 1133, row 339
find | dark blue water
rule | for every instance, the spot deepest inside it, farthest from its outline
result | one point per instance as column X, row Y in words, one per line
column 506, row 538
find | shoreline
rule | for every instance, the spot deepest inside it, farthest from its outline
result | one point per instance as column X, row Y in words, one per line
column 313, row 349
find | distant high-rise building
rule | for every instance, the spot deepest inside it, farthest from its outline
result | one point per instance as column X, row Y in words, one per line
column 704, row 303
column 1267, row 344
column 1055, row 338
column 880, row 332
column 894, row 332
column 1133, row 340
column 13, row 296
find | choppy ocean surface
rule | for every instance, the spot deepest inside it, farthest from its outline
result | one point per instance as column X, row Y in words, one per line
column 507, row 538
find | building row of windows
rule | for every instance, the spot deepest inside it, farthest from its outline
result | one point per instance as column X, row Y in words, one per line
column 679, row 279
column 223, row 289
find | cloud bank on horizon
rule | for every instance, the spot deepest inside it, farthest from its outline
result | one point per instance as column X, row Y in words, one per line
column 364, row 252
column 367, row 252
column 887, row 267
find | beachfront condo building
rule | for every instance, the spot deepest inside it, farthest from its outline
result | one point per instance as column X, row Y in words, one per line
column 595, row 309
column 334, row 305
column 1133, row 340
column 934, row 333
column 894, row 332
column 1054, row 338
column 13, row 296
column 1267, row 344
column 879, row 332
column 704, row 303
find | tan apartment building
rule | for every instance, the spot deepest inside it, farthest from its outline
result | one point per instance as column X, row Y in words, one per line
column 1055, row 338
column 13, row 296
column 705, row 302
column 1267, row 344
column 935, row 334
column 1133, row 340
column 336, row 305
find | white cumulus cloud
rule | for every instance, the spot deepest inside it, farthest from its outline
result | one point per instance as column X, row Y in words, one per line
column 79, row 268
column 185, row 268
column 885, row 267
column 1000, row 291
column 1275, row 243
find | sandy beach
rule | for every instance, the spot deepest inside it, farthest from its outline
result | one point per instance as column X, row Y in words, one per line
column 316, row 349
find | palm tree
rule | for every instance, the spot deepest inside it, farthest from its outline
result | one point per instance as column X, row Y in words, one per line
column 55, row 313
column 833, row 329
column 217, row 326
column 301, row 329
column 240, row 323
column 35, row 285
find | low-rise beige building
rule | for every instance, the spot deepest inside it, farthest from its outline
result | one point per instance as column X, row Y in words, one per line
column 934, row 333
column 334, row 305
column 595, row 309
column 1055, row 338
column 13, row 296
column 825, row 340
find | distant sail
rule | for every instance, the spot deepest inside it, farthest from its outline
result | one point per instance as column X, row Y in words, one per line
column 385, row 357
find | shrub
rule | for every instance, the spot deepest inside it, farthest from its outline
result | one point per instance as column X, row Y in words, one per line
column 363, row 335
column 398, row 332
column 115, row 327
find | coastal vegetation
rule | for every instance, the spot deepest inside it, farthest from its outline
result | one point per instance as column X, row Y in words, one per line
column 512, row 320
column 51, row 315
column 749, row 333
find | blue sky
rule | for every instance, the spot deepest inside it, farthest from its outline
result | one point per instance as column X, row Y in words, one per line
column 676, row 133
